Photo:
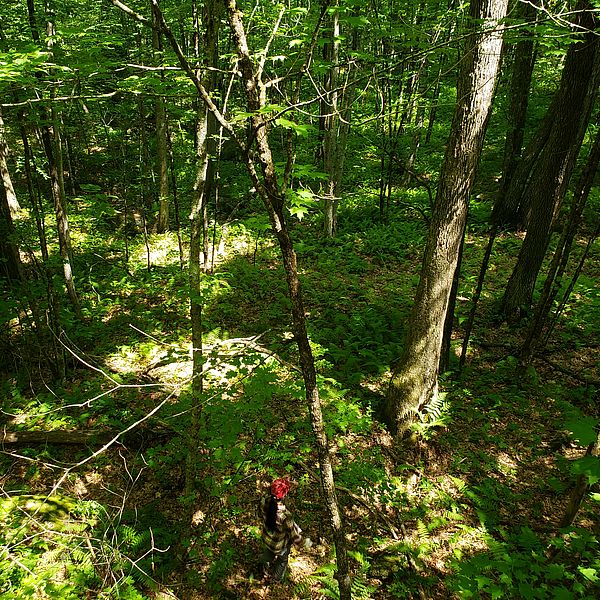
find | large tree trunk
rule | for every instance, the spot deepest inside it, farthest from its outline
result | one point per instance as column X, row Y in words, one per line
column 414, row 381
column 550, row 175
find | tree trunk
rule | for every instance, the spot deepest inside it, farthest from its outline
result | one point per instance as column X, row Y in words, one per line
column 56, row 358
column 273, row 200
column 143, row 163
column 561, row 256
column 205, row 129
column 520, row 82
column 162, row 155
column 415, row 380
column 445, row 352
column 581, row 488
column 10, row 258
column 52, row 147
column 550, row 175
column 333, row 147
column 9, row 190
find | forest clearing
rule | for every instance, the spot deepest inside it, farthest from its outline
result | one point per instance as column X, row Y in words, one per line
column 340, row 256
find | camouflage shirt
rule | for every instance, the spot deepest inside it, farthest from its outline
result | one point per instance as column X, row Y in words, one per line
column 286, row 531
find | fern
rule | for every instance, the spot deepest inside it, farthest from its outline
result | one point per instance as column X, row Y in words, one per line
column 435, row 414
column 423, row 532
column 361, row 589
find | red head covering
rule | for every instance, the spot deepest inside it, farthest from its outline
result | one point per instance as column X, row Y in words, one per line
column 280, row 488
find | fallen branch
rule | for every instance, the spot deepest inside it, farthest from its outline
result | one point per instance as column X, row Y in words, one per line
column 569, row 372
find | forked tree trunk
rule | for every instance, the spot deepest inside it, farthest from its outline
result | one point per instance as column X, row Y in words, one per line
column 415, row 380
column 550, row 175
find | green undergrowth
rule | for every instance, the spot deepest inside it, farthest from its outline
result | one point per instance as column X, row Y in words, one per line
column 469, row 509
column 59, row 547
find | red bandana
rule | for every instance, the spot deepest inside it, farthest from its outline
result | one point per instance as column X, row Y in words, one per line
column 280, row 488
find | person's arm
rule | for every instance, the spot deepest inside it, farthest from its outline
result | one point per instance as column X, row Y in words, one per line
column 296, row 533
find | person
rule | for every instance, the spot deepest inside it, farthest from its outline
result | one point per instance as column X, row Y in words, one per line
column 279, row 530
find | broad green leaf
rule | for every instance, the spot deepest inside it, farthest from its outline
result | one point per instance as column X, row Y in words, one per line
column 589, row 573
column 589, row 466
column 583, row 430
column 298, row 128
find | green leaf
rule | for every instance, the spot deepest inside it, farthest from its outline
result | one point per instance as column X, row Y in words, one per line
column 583, row 430
column 300, row 202
column 562, row 593
column 589, row 466
column 298, row 128
column 355, row 21
column 589, row 573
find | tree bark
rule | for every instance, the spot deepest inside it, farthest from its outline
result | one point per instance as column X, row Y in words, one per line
column 205, row 129
column 516, row 114
column 415, row 380
column 133, row 438
column 560, row 258
column 550, row 175
column 581, row 488
column 10, row 258
column 446, row 349
column 162, row 156
column 11, row 197
column 52, row 147
column 335, row 127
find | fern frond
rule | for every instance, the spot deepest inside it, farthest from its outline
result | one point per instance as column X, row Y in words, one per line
column 422, row 532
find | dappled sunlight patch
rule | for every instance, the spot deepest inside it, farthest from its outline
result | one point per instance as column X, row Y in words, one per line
column 125, row 360
column 163, row 252
column 507, row 464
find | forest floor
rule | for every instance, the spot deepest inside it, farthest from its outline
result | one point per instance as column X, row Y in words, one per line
column 469, row 508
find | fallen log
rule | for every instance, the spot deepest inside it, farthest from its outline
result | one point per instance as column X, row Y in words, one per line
column 137, row 438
